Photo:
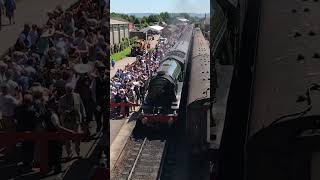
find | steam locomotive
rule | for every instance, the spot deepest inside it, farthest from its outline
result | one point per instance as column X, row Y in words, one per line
column 162, row 99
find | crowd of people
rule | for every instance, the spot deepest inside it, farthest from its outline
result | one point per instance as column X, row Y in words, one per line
column 55, row 79
column 130, row 85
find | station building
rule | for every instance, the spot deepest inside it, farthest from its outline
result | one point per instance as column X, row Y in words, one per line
column 119, row 29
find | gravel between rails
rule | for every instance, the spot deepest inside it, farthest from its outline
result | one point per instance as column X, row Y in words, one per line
column 140, row 160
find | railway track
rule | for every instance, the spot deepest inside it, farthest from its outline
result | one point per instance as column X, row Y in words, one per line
column 140, row 160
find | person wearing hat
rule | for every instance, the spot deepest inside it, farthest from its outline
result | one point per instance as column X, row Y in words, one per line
column 72, row 114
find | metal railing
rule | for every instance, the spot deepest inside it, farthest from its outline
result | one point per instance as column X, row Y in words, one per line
column 41, row 138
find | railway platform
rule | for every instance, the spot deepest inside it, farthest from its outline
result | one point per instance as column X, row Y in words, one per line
column 35, row 11
column 119, row 140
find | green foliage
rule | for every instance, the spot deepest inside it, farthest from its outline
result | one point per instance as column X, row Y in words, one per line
column 125, row 43
column 133, row 40
column 122, row 16
column 153, row 18
column 185, row 15
column 164, row 16
column 144, row 21
column 120, row 55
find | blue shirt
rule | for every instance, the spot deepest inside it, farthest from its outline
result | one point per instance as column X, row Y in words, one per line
column 24, row 82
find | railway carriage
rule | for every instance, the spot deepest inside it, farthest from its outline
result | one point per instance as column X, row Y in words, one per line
column 198, row 102
column 283, row 131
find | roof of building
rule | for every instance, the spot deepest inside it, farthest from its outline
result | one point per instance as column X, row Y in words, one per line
column 114, row 21
column 183, row 19
column 153, row 28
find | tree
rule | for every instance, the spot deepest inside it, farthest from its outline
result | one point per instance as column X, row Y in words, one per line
column 165, row 16
column 153, row 18
column 185, row 15
column 132, row 19
column 137, row 21
column 144, row 20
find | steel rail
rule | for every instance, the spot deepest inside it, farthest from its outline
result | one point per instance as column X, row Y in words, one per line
column 136, row 160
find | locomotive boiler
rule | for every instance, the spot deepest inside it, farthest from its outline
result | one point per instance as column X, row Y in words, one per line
column 164, row 89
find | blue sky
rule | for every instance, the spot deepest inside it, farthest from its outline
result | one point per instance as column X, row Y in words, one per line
column 156, row 6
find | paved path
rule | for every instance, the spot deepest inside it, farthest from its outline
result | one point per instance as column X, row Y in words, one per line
column 121, row 64
column 28, row 11
column 115, row 125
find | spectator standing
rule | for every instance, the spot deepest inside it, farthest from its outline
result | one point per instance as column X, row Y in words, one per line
column 25, row 37
column 8, row 103
column 10, row 6
column 3, row 69
column 100, row 94
column 72, row 113
column 85, row 92
column 53, row 124
column 25, row 115
column 69, row 25
column 13, row 86
column 34, row 35
column 1, row 12
column 113, row 63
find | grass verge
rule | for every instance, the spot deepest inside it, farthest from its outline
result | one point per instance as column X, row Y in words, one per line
column 120, row 55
